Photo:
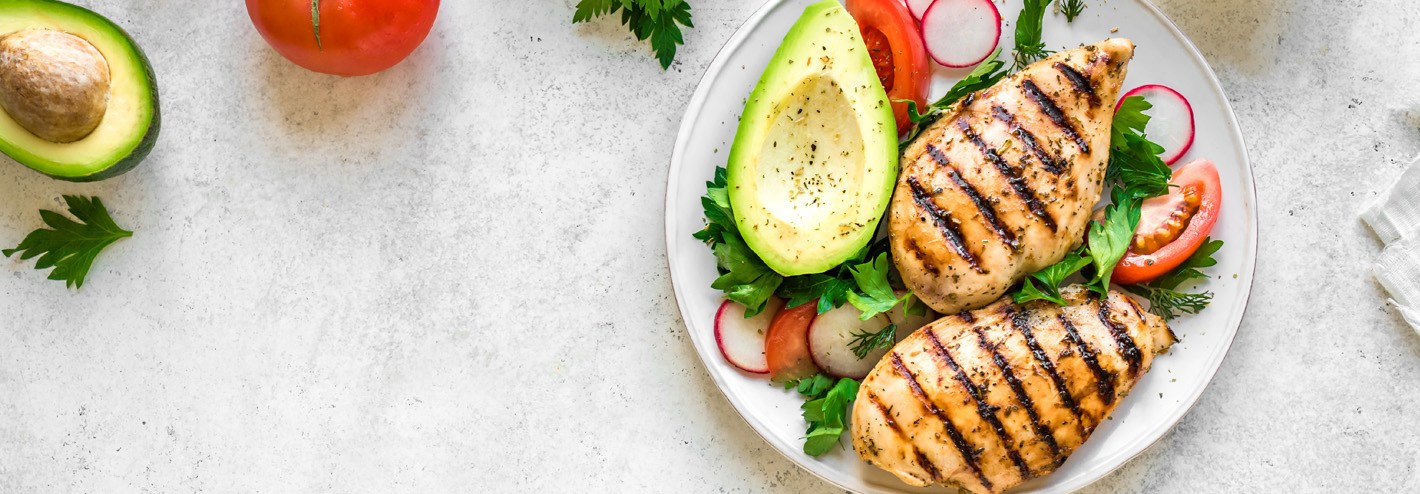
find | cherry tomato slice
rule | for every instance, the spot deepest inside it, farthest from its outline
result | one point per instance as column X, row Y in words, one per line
column 897, row 51
column 786, row 344
column 1173, row 226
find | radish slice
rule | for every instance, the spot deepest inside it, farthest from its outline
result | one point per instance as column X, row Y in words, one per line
column 1170, row 120
column 741, row 340
column 831, row 342
column 908, row 323
column 961, row 33
column 918, row 7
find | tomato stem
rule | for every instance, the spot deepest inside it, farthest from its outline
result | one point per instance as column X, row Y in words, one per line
column 315, row 22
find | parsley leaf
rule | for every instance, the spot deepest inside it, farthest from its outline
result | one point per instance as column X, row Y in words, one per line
column 743, row 275
column 1052, row 277
column 825, row 410
column 874, row 294
column 984, row 75
column 864, row 342
column 1134, row 163
column 829, row 291
column 1201, row 258
column 1110, row 241
column 657, row 20
column 1029, row 47
column 69, row 246
column 1071, row 9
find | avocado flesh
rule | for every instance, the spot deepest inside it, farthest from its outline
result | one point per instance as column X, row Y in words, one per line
column 129, row 127
column 814, row 160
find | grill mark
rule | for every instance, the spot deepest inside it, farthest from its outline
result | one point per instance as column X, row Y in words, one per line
column 927, row 465
column 1018, row 183
column 1021, row 396
column 988, row 212
column 1021, row 322
column 1122, row 340
column 967, row 453
column 1051, row 110
column 945, row 223
column 1050, row 163
column 984, row 409
column 1082, row 84
column 967, row 316
column 1104, row 380
column 922, row 459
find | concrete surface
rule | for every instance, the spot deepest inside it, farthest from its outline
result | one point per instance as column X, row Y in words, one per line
column 451, row 276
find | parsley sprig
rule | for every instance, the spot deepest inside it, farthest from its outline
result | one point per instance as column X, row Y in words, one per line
column 656, row 20
column 984, row 75
column 825, row 410
column 1029, row 25
column 69, row 246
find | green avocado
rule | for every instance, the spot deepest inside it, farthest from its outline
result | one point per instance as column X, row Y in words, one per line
column 78, row 100
column 814, row 160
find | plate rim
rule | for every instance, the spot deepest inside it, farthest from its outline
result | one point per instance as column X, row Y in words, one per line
column 695, row 106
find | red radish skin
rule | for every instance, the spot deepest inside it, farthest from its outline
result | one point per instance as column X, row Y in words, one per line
column 961, row 33
column 741, row 340
column 786, row 346
column 918, row 7
column 831, row 337
column 1170, row 120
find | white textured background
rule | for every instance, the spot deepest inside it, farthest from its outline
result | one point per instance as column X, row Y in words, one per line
column 451, row 276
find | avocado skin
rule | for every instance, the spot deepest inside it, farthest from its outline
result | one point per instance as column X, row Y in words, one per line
column 149, row 139
column 145, row 145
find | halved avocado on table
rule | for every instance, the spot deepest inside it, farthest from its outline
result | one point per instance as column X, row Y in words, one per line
column 815, row 156
column 78, row 100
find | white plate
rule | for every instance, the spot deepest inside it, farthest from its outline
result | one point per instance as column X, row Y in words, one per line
column 1164, row 56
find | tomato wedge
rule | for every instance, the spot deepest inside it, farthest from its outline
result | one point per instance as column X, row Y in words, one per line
column 897, row 51
column 1172, row 226
column 786, row 344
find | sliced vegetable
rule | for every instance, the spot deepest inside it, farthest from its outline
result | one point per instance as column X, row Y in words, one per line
column 961, row 33
column 896, row 48
column 1172, row 226
column 843, row 345
column 741, row 339
column 786, row 346
column 918, row 7
column 1171, row 122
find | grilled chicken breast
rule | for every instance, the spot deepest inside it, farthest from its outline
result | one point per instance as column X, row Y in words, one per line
column 1003, row 185
column 987, row 399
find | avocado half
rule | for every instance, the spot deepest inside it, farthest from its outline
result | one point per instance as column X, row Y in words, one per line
column 814, row 160
column 129, row 125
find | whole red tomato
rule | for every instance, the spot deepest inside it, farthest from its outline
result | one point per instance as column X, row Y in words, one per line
column 344, row 37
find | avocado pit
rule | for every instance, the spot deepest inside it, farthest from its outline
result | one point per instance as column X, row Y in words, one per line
column 54, row 84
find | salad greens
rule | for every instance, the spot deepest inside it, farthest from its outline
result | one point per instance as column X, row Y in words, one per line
column 657, row 20
column 746, row 279
column 825, row 409
column 69, row 246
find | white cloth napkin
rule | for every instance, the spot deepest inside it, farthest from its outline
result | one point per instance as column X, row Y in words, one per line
column 1395, row 217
